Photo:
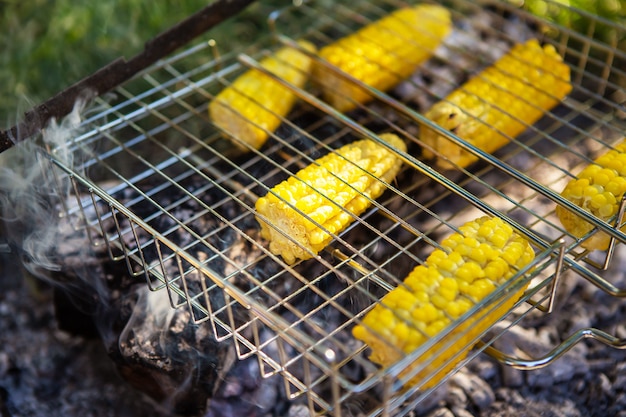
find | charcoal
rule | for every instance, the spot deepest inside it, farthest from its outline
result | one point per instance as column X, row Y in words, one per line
column 461, row 412
column 162, row 363
column 487, row 370
column 508, row 396
column 620, row 380
column 512, row 377
column 441, row 412
column 535, row 408
column 456, row 397
column 179, row 365
column 161, row 357
column 72, row 314
column 477, row 390
column 157, row 356
column 566, row 368
column 620, row 401
column 160, row 350
column 299, row 410
column 156, row 349
column 47, row 372
column 243, row 392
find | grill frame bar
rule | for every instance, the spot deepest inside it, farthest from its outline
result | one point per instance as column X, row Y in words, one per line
column 311, row 353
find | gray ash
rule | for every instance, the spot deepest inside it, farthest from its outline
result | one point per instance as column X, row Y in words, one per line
column 243, row 392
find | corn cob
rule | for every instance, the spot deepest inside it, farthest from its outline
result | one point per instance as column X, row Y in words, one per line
column 473, row 263
column 598, row 189
column 329, row 192
column 380, row 54
column 499, row 103
column 253, row 105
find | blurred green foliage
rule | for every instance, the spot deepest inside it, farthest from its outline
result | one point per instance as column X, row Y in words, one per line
column 565, row 13
column 47, row 45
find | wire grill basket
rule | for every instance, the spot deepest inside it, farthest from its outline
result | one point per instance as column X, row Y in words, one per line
column 158, row 186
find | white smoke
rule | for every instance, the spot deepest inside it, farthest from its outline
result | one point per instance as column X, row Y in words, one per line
column 152, row 318
column 29, row 193
column 139, row 327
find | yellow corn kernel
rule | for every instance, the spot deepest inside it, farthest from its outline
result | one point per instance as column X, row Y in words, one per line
column 598, row 189
column 446, row 296
column 328, row 193
column 253, row 105
column 497, row 104
column 380, row 54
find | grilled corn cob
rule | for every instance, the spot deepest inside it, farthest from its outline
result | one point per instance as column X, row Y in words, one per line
column 598, row 189
column 253, row 105
column 473, row 263
column 499, row 103
column 328, row 193
column 380, row 54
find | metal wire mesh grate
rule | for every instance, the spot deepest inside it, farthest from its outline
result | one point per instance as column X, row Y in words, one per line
column 160, row 188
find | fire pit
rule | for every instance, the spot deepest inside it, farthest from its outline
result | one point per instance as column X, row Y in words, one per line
column 157, row 243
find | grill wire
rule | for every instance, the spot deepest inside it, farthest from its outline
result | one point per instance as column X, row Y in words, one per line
column 160, row 188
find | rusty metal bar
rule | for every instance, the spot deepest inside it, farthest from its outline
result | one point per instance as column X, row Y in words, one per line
column 121, row 70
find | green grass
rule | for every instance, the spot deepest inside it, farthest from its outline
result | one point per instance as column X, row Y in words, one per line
column 49, row 45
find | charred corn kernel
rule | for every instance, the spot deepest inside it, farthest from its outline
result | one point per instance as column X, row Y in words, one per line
column 327, row 193
column 445, row 295
column 380, row 54
column 498, row 103
column 598, row 189
column 253, row 105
